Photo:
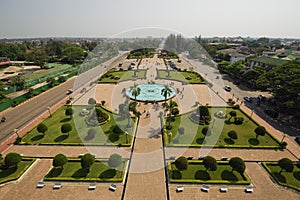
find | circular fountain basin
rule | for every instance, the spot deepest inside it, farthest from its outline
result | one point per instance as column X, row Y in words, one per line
column 151, row 93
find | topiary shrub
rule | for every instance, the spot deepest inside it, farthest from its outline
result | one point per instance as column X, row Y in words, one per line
column 181, row 130
column 113, row 137
column 117, row 130
column 169, row 127
column 238, row 120
column 236, row 106
column 176, row 174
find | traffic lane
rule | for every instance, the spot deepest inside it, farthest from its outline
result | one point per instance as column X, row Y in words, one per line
column 22, row 114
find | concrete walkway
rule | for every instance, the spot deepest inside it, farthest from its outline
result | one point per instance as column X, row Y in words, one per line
column 146, row 178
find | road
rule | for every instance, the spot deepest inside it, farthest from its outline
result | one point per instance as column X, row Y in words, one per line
column 239, row 91
column 22, row 114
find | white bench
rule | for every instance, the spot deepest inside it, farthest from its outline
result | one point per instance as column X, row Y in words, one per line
column 92, row 186
column 40, row 184
column 112, row 187
column 223, row 188
column 179, row 188
column 57, row 186
column 205, row 188
column 249, row 189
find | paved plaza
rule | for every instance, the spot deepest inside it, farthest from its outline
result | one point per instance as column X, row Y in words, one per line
column 146, row 177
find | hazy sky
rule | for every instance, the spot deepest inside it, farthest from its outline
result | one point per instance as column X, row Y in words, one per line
column 98, row 18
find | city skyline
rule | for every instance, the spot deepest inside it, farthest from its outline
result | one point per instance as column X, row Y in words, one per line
column 34, row 19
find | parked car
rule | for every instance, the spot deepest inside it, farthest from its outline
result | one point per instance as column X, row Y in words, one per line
column 248, row 99
column 227, row 88
column 261, row 97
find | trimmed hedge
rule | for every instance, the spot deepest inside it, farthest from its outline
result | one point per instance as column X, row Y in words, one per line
column 194, row 181
column 265, row 165
column 13, row 176
column 94, row 179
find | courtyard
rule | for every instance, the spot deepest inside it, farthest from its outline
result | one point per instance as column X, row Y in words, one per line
column 145, row 143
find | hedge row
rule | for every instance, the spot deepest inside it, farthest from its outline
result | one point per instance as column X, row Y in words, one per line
column 8, row 179
column 265, row 165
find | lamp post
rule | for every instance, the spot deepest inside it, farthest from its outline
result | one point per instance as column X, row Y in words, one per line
column 16, row 131
column 284, row 135
column 126, row 134
column 48, row 108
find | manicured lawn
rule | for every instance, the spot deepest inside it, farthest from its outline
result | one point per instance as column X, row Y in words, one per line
column 289, row 179
column 78, row 135
column 14, row 173
column 197, row 173
column 57, row 68
column 99, row 172
column 110, row 77
column 220, row 127
column 185, row 76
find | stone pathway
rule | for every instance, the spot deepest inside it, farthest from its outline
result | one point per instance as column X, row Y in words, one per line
column 146, row 178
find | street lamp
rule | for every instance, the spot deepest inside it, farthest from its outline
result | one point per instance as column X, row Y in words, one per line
column 16, row 131
column 49, row 111
column 284, row 135
column 126, row 134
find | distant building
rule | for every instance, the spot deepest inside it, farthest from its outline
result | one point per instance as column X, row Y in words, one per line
column 4, row 61
column 234, row 55
column 266, row 62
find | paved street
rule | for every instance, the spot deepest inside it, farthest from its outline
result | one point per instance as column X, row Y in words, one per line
column 22, row 114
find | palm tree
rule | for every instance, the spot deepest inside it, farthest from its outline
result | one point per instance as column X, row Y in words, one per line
column 135, row 91
column 166, row 91
column 171, row 107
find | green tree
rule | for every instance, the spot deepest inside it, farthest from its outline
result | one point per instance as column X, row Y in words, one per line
column 42, row 128
column 166, row 92
column 204, row 113
column 91, row 133
column 72, row 54
column 206, row 131
column 115, row 160
column 232, row 114
column 12, row 159
column 38, row 56
column 210, row 163
column 66, row 128
column 232, row 135
column 59, row 160
column 260, row 131
column 181, row 163
column 135, row 91
column 237, row 164
column 69, row 112
column 91, row 101
column 284, row 83
column 87, row 161
column 286, row 164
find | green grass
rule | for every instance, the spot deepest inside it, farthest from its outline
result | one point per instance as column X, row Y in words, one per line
column 47, row 72
column 110, row 77
column 99, row 172
column 197, row 173
column 78, row 135
column 194, row 77
column 289, row 179
column 193, row 136
column 14, row 173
